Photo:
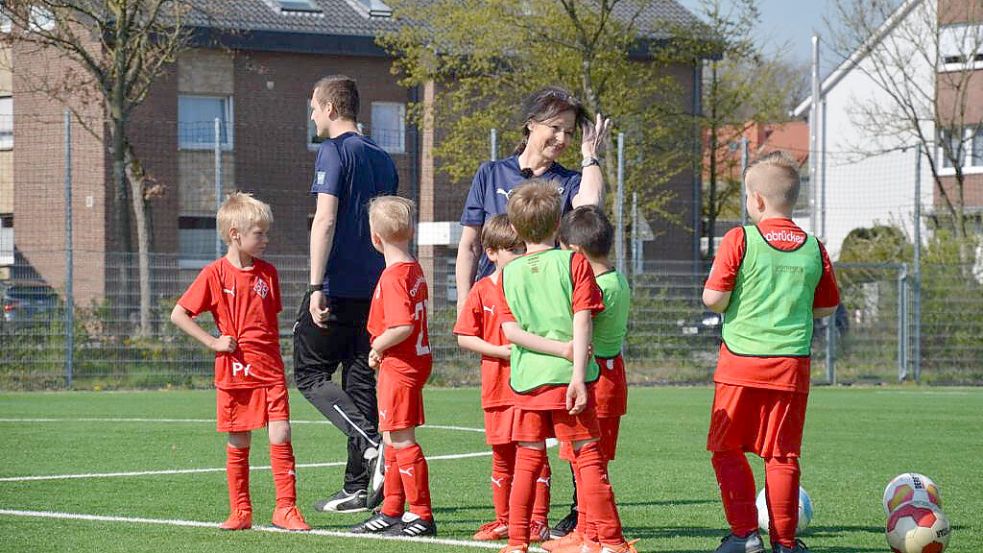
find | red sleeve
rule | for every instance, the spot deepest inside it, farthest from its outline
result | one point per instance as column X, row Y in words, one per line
column 198, row 297
column 277, row 298
column 827, row 292
column 727, row 262
column 587, row 294
column 397, row 306
column 470, row 319
column 506, row 316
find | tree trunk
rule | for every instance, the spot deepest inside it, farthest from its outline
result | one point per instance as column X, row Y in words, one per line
column 120, row 218
column 713, row 205
column 137, row 177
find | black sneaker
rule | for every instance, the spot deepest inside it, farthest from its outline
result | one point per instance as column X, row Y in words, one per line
column 732, row 543
column 799, row 548
column 342, row 502
column 414, row 527
column 378, row 524
column 566, row 525
column 377, row 477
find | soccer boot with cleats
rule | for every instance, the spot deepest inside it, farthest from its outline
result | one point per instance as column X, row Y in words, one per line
column 514, row 549
column 289, row 518
column 414, row 527
column 379, row 523
column 573, row 538
column 492, row 531
column 342, row 502
column 377, row 477
column 585, row 546
column 539, row 531
column 735, row 544
column 627, row 547
column 799, row 548
column 238, row 520
column 566, row 525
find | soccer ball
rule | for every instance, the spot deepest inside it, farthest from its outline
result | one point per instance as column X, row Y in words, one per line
column 910, row 486
column 917, row 527
column 805, row 511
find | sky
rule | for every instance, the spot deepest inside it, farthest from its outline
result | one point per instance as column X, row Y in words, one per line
column 790, row 23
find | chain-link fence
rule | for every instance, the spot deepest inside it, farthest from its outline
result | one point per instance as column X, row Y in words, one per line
column 911, row 306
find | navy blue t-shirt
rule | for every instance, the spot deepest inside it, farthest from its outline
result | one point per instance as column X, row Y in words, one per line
column 354, row 169
column 492, row 185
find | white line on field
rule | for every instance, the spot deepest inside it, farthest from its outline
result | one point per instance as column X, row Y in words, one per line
column 199, row 524
column 204, row 470
column 196, row 421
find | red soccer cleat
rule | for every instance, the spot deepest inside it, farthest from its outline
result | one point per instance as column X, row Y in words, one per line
column 574, row 538
column 492, row 531
column 289, row 518
column 238, row 520
column 539, row 531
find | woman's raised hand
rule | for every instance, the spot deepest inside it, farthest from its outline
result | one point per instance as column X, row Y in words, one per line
column 594, row 135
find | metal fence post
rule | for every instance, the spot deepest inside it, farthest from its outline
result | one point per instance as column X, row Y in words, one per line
column 494, row 144
column 619, row 207
column 219, row 250
column 916, row 305
column 69, row 259
column 903, row 323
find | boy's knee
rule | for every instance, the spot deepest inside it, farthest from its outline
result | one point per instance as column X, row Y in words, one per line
column 240, row 440
column 581, row 443
column 533, row 445
column 279, row 432
column 400, row 439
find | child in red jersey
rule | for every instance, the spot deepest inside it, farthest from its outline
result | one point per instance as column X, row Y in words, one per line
column 401, row 353
column 479, row 329
column 242, row 292
column 552, row 295
column 770, row 280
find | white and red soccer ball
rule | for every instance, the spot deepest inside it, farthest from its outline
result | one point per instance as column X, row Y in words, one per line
column 805, row 511
column 918, row 527
column 910, row 486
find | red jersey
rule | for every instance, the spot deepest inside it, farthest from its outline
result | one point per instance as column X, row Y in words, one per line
column 400, row 299
column 776, row 373
column 586, row 296
column 244, row 303
column 482, row 317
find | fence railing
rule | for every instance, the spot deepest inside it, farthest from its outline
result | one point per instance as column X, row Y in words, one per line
column 672, row 338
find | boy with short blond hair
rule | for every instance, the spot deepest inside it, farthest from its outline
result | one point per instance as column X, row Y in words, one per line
column 479, row 329
column 401, row 354
column 242, row 292
column 552, row 294
column 587, row 231
column 770, row 280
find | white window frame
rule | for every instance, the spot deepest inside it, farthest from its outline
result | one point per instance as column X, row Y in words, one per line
column 949, row 38
column 229, row 142
column 197, row 262
column 969, row 167
column 7, row 143
column 400, row 146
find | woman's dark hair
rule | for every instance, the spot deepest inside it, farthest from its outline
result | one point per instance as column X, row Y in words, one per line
column 547, row 103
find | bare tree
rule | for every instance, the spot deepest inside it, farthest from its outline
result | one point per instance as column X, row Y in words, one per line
column 921, row 55
column 120, row 47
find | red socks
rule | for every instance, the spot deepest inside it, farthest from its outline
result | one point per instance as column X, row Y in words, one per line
column 284, row 475
column 782, row 491
column 528, row 467
column 503, row 465
column 541, row 506
column 237, row 474
column 736, row 483
column 597, row 494
column 415, row 477
column 393, row 496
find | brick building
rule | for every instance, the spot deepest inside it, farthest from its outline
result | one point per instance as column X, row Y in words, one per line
column 258, row 85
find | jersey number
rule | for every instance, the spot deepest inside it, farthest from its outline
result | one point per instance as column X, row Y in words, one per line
column 420, row 314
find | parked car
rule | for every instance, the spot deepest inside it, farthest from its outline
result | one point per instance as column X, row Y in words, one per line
column 27, row 300
column 704, row 324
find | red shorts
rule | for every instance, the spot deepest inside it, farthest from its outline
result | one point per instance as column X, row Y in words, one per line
column 400, row 404
column 498, row 424
column 245, row 409
column 757, row 420
column 611, row 388
column 536, row 426
column 608, row 441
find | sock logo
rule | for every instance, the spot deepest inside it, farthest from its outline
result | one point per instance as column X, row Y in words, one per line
column 407, row 471
column 382, row 414
column 497, row 482
column 544, row 481
column 291, row 473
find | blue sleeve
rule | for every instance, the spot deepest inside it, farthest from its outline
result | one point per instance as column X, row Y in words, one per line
column 474, row 206
column 572, row 187
column 327, row 170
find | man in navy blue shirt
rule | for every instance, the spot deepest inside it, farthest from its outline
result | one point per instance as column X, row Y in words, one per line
column 330, row 331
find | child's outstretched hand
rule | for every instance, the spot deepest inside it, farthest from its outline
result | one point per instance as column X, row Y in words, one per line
column 505, row 351
column 224, row 344
column 576, row 397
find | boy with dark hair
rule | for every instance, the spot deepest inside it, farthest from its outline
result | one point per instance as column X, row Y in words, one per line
column 770, row 280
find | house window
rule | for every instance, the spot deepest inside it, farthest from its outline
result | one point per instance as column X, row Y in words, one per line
column 196, row 121
column 297, row 6
column 6, row 123
column 371, row 8
column 977, row 159
column 197, row 241
column 967, row 146
column 961, row 47
column 389, row 126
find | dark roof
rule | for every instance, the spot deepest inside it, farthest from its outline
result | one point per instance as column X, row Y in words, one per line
column 343, row 18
